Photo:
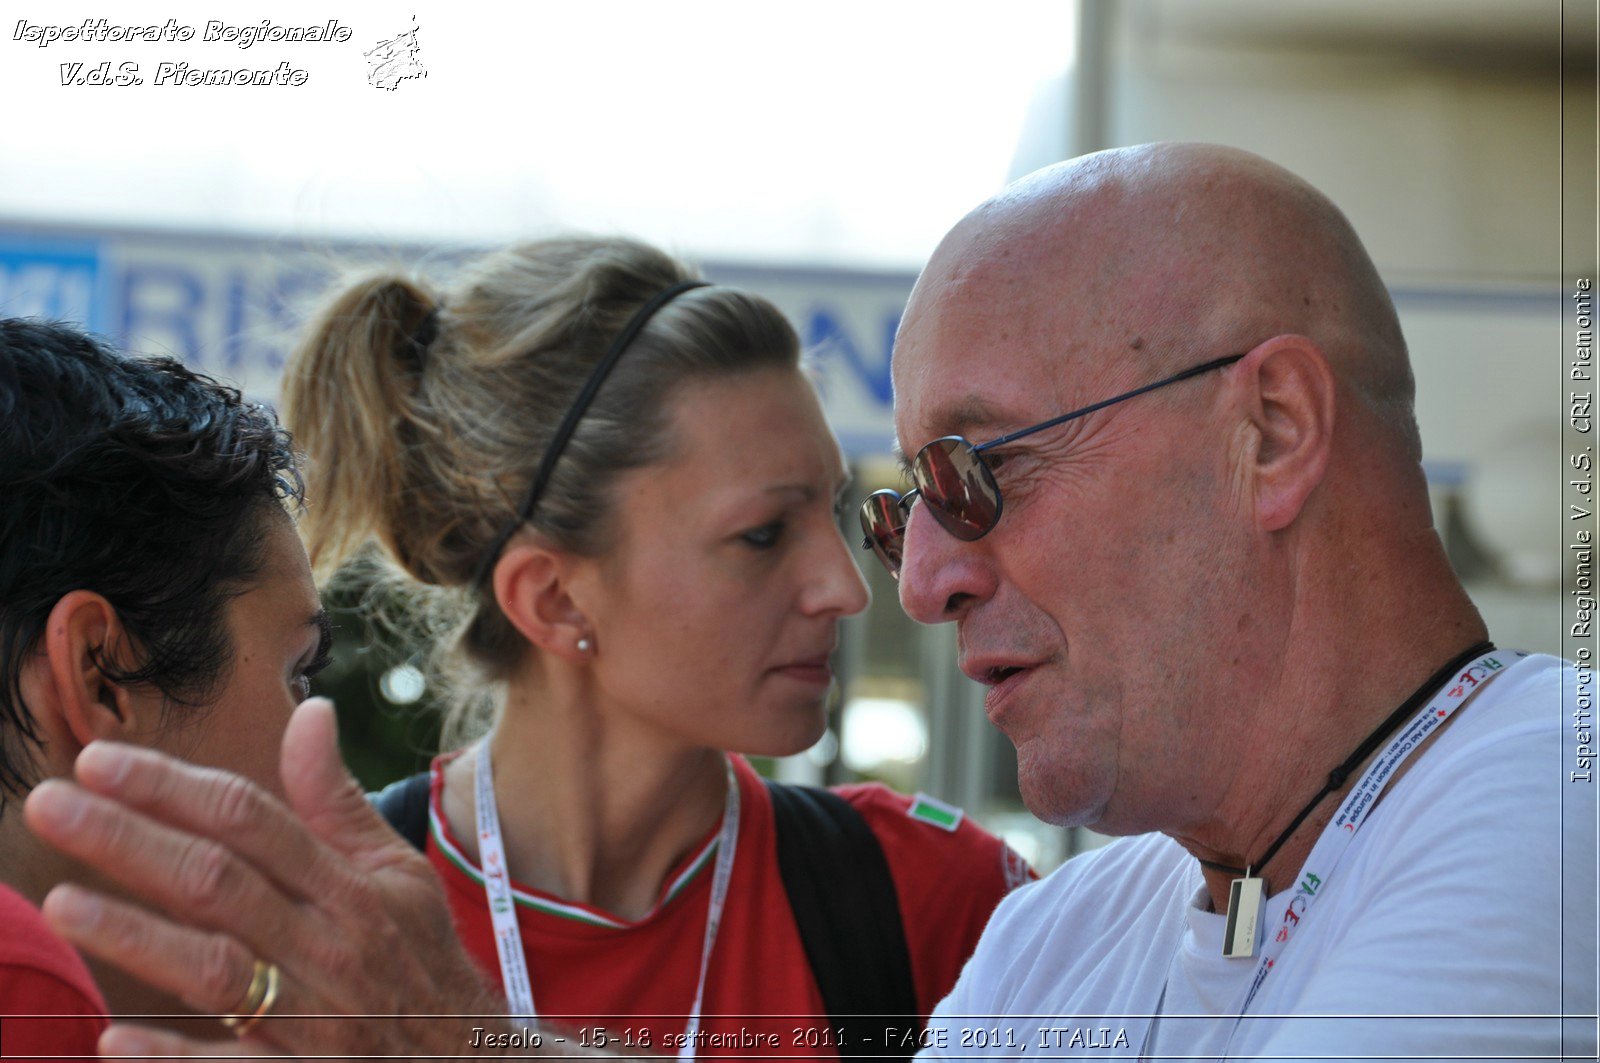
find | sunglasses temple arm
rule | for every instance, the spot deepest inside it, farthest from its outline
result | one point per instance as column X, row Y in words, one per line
column 1064, row 418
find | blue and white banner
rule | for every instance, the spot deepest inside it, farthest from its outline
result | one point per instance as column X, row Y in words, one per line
column 232, row 306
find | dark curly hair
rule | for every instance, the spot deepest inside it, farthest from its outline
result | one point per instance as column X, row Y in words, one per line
column 138, row 479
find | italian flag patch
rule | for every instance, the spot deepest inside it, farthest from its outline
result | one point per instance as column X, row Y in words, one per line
column 935, row 812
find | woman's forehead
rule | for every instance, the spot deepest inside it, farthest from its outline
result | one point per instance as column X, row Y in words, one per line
column 737, row 443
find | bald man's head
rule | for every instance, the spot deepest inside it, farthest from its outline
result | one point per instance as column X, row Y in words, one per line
column 1169, row 254
column 1171, row 554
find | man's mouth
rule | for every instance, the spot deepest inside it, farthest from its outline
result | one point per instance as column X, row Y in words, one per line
column 1003, row 682
column 991, row 670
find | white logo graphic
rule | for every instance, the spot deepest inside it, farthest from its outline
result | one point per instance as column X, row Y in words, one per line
column 395, row 60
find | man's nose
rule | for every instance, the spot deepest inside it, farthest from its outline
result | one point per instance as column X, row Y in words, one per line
column 941, row 577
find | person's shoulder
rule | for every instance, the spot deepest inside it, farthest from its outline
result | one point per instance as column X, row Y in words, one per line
column 1499, row 780
column 1110, row 901
column 949, row 874
column 41, row 974
column 28, row 943
column 1524, row 709
column 911, row 824
column 1144, row 865
column 881, row 806
column 1526, row 687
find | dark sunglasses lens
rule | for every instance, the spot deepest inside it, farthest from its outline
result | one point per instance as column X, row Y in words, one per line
column 883, row 521
column 957, row 487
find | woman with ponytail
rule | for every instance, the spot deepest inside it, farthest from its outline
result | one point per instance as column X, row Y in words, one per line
column 611, row 492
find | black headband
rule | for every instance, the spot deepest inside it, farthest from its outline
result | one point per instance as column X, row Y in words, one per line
column 569, row 423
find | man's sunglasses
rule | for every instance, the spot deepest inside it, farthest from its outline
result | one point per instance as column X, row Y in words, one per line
column 958, row 486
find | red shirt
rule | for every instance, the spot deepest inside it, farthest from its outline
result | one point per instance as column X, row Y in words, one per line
column 637, row 979
column 49, row 1005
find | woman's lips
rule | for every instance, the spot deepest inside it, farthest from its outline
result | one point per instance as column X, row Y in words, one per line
column 815, row 670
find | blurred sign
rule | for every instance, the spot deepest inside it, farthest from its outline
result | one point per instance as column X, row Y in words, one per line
column 231, row 306
column 54, row 279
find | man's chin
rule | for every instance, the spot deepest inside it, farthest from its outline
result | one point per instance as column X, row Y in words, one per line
column 1056, row 798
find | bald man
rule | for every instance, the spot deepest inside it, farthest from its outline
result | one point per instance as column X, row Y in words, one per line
column 1212, row 613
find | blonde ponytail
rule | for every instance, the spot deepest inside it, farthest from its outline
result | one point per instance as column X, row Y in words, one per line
column 351, row 400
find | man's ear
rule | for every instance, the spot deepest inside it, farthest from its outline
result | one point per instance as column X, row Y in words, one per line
column 533, row 585
column 80, row 702
column 1291, row 397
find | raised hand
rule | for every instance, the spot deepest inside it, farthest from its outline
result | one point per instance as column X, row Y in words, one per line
column 353, row 918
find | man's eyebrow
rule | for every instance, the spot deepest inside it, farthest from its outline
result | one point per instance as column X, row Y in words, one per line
column 975, row 412
column 973, row 417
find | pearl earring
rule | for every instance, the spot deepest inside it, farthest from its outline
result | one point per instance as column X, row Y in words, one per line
column 584, row 645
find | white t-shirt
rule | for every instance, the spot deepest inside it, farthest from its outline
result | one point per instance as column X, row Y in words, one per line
column 1460, row 923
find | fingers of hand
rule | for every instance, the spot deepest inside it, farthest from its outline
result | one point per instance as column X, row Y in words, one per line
column 324, row 795
column 214, row 804
column 213, row 973
column 209, row 971
column 196, row 879
column 330, row 944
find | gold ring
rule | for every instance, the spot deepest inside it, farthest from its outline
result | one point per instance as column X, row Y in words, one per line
column 258, row 999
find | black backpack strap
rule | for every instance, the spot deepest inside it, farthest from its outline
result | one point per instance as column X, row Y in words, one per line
column 845, row 905
column 405, row 805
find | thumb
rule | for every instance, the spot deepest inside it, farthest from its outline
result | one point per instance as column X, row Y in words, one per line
column 322, row 791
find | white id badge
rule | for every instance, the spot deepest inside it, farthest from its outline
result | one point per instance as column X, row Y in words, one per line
column 1245, row 913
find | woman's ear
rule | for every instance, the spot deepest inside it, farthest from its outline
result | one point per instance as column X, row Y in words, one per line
column 66, row 686
column 533, row 585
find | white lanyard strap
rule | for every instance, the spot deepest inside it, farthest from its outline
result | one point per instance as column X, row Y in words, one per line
column 503, row 909
column 721, row 876
column 1358, row 804
column 497, row 884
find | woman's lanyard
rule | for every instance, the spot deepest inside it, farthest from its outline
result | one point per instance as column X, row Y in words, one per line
column 503, row 910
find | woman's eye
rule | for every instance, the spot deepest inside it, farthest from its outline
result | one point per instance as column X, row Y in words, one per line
column 764, row 537
column 301, row 686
